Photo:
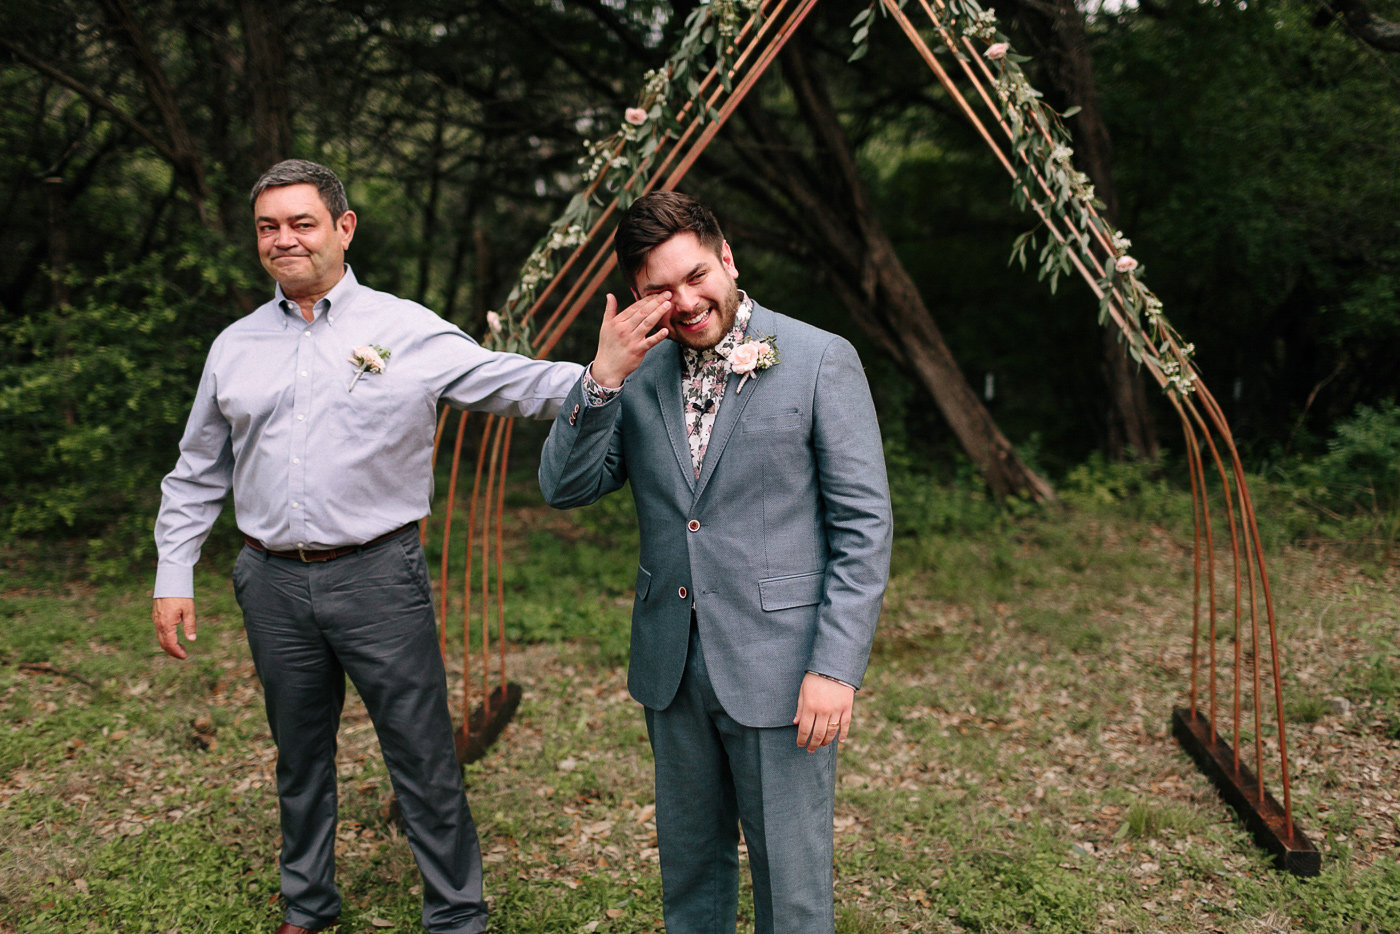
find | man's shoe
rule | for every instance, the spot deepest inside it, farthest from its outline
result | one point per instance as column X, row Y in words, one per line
column 289, row 928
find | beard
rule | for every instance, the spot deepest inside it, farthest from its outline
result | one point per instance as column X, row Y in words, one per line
column 724, row 313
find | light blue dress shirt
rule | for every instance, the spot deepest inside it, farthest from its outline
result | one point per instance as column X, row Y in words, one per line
column 311, row 463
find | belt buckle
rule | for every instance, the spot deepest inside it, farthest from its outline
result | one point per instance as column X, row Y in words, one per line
column 301, row 550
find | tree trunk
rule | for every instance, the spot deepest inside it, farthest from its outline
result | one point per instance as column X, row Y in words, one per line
column 1058, row 27
column 267, row 81
column 873, row 283
column 58, row 271
column 430, row 204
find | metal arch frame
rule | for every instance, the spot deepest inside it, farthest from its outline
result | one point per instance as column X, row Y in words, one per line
column 755, row 47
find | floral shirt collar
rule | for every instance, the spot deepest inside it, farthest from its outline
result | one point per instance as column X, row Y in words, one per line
column 692, row 361
column 704, row 374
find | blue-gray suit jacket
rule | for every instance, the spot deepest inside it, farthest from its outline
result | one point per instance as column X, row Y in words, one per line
column 783, row 543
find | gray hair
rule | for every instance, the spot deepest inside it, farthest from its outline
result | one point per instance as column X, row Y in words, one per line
column 303, row 172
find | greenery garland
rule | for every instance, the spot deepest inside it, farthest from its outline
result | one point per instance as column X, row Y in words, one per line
column 1039, row 137
column 619, row 165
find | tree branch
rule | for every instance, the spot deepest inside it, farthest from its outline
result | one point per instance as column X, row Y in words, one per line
column 1365, row 25
column 93, row 97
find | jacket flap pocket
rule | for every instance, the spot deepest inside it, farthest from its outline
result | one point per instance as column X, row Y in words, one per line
column 643, row 582
column 783, row 593
column 780, row 422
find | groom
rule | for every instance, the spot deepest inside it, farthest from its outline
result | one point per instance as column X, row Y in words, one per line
column 765, row 534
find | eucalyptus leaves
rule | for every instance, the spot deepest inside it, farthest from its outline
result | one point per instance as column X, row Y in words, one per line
column 1048, row 183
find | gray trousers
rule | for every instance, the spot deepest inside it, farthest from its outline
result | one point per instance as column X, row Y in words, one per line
column 713, row 773
column 369, row 615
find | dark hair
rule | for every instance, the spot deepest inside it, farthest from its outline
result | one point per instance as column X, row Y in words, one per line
column 302, row 172
column 655, row 218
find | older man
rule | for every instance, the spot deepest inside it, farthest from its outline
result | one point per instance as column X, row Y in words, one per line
column 317, row 410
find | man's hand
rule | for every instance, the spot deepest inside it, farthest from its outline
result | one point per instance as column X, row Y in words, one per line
column 623, row 340
column 168, row 614
column 823, row 711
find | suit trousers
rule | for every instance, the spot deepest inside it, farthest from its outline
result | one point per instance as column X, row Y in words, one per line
column 713, row 774
column 369, row 615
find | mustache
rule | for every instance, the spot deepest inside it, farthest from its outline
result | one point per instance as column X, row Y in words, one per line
column 278, row 254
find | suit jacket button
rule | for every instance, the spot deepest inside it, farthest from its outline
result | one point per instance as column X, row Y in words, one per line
column 573, row 419
column 576, row 408
column 694, row 525
column 682, row 593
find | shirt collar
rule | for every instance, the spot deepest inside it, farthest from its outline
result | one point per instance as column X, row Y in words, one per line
column 338, row 298
column 694, row 358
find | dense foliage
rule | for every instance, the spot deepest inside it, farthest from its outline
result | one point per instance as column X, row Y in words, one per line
column 1255, row 154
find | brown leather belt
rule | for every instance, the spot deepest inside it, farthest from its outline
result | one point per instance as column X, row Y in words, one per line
column 330, row 554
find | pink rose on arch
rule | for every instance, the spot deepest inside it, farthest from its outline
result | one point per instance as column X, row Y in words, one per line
column 997, row 50
column 1125, row 264
column 744, row 358
column 635, row 116
column 493, row 321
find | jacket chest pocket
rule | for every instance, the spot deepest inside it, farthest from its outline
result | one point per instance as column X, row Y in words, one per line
column 783, row 421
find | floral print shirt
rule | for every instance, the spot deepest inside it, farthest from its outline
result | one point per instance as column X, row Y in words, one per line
column 704, row 374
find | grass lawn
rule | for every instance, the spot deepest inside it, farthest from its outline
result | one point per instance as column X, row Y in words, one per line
column 1010, row 769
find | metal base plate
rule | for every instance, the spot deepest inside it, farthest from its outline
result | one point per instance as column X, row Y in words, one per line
column 1264, row 819
column 486, row 728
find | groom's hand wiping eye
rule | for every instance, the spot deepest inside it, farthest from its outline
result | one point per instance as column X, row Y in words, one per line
column 627, row 335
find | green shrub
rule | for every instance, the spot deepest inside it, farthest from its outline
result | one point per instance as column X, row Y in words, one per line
column 1351, row 494
column 94, row 398
column 1361, row 468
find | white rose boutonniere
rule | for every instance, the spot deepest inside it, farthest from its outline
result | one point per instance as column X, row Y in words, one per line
column 367, row 358
column 752, row 357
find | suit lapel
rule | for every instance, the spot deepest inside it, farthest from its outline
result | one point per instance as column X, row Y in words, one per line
column 668, row 398
column 733, row 402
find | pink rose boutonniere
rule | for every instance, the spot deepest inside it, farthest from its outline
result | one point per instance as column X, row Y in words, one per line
column 752, row 357
column 367, row 357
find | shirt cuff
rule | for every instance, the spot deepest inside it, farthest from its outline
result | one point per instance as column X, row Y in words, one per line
column 174, row 580
column 837, row 680
column 597, row 395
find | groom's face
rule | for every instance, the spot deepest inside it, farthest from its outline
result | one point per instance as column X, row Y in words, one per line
column 704, row 298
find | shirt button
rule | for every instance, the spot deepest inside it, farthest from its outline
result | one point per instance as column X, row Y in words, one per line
column 303, row 372
column 300, row 417
column 296, row 505
column 681, row 593
column 296, row 460
column 306, row 333
column 694, row 525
